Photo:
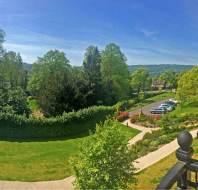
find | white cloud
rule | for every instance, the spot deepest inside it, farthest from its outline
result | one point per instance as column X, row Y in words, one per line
column 148, row 33
column 30, row 53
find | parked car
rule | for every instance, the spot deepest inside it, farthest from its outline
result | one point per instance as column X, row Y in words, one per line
column 158, row 111
column 168, row 107
column 171, row 103
column 173, row 100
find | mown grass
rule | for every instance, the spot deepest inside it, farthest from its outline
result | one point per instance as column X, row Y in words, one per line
column 127, row 131
column 37, row 161
column 150, row 177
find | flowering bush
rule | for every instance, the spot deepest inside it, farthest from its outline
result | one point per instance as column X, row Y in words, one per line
column 122, row 116
column 156, row 117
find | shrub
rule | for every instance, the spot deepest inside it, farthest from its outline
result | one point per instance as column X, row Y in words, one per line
column 134, row 118
column 122, row 116
column 124, row 105
column 69, row 124
column 156, row 117
column 105, row 161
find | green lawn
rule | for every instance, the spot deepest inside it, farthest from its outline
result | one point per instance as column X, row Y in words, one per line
column 32, row 104
column 128, row 131
column 36, row 161
column 150, row 177
column 153, row 99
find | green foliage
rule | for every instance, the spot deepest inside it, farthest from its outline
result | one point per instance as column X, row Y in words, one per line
column 13, row 101
column 105, row 161
column 170, row 77
column 32, row 104
column 91, row 67
column 124, row 105
column 187, row 90
column 12, row 71
column 67, row 125
column 2, row 35
column 140, row 80
column 114, row 73
column 51, row 82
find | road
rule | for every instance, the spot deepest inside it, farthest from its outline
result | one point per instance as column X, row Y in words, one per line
column 146, row 109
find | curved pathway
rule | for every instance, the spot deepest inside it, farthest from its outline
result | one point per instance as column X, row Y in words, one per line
column 67, row 183
column 143, row 130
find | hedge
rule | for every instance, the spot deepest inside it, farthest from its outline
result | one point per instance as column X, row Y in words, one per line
column 67, row 125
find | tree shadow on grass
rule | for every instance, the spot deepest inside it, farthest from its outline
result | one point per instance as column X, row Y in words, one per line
column 20, row 140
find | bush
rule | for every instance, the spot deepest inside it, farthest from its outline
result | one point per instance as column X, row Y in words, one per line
column 134, row 118
column 122, row 116
column 124, row 105
column 105, row 161
column 69, row 124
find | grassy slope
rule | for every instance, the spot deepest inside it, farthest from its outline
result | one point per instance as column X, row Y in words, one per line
column 148, row 181
column 36, row 161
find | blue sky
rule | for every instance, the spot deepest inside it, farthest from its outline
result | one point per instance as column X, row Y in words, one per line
column 148, row 31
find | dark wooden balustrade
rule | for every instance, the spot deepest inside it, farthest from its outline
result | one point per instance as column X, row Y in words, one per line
column 182, row 172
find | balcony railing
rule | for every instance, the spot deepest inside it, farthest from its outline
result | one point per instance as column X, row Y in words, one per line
column 185, row 172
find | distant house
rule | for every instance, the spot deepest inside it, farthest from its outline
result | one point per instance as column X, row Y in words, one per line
column 158, row 84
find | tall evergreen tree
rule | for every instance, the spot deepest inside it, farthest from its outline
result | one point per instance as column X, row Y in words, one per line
column 91, row 65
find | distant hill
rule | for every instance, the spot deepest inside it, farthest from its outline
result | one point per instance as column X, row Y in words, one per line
column 27, row 66
column 153, row 69
column 157, row 69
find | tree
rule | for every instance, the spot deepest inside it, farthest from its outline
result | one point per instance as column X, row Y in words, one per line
column 105, row 161
column 170, row 78
column 140, row 80
column 91, row 66
column 11, row 69
column 13, row 101
column 51, row 82
column 82, row 92
column 187, row 90
column 115, row 75
column 2, row 35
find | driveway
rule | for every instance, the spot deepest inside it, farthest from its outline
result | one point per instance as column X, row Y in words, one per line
column 146, row 109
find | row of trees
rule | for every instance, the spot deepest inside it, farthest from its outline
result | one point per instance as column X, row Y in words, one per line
column 58, row 87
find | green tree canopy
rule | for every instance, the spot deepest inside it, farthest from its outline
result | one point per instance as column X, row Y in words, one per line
column 115, row 75
column 91, row 66
column 2, row 35
column 187, row 90
column 170, row 77
column 105, row 161
column 13, row 101
column 51, row 81
column 140, row 80
column 11, row 68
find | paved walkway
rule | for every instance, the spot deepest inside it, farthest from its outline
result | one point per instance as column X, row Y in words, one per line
column 155, row 156
column 66, row 184
column 139, row 136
